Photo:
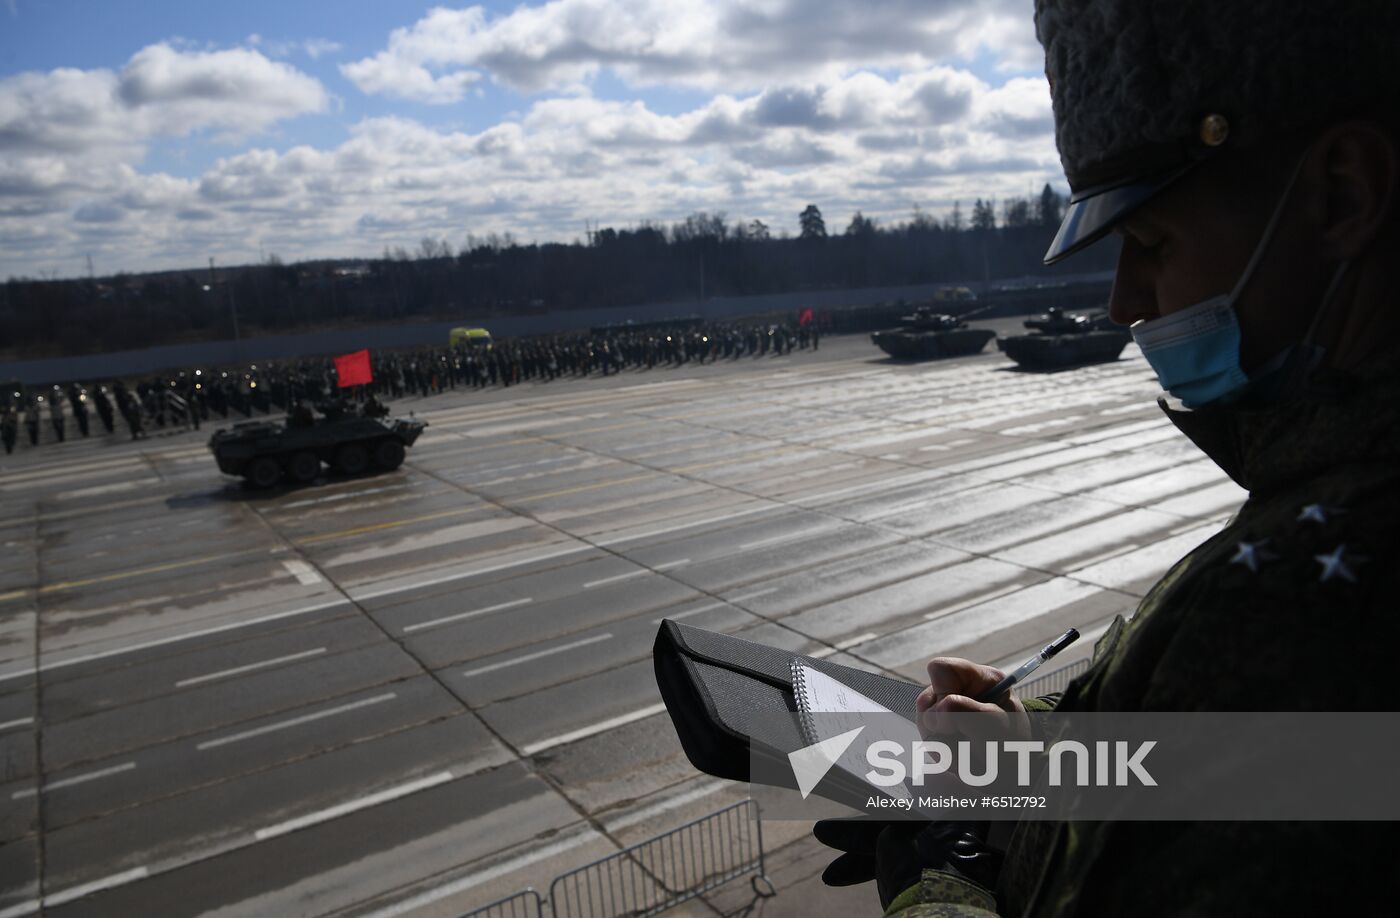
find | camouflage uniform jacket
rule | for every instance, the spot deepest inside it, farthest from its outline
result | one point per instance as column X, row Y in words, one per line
column 1292, row 607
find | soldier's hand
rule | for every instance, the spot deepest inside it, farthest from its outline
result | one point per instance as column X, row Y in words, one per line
column 954, row 684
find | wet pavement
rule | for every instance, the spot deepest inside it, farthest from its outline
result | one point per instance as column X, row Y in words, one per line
column 415, row 692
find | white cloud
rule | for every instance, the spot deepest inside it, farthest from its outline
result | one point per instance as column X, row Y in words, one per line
column 70, row 140
column 176, row 92
column 851, row 106
column 103, row 115
column 735, row 45
column 316, row 48
column 864, row 142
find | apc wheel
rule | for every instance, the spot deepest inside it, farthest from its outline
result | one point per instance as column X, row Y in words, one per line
column 263, row 472
column 304, row 467
column 388, row 454
column 352, row 459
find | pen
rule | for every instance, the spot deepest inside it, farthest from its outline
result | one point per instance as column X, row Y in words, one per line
column 1028, row 667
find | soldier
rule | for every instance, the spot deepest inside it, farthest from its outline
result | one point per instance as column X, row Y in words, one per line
column 300, row 415
column 77, row 398
column 374, row 408
column 9, row 428
column 56, row 418
column 104, row 407
column 31, row 422
column 1247, row 155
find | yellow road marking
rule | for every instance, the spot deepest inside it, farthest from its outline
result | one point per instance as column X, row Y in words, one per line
column 391, row 524
column 741, row 459
column 141, row 571
column 596, row 430
column 592, row 487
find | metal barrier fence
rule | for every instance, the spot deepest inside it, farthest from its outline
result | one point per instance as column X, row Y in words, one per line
column 669, row 869
column 655, row 875
column 524, row 904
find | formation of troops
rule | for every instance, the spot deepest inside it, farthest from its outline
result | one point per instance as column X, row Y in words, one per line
column 187, row 398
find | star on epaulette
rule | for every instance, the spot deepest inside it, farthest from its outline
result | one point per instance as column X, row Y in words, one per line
column 1252, row 554
column 1336, row 564
column 1316, row 513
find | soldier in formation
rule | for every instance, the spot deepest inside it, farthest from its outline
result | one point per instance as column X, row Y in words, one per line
column 9, row 428
column 183, row 399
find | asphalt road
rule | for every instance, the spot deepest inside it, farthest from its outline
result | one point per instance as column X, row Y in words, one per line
column 413, row 693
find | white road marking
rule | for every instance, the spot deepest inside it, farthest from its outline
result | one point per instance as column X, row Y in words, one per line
column 462, row 616
column 887, row 484
column 357, row 494
column 689, row 612
column 20, row 908
column 822, row 652
column 616, row 579
column 76, row 779
column 116, row 487
column 247, row 668
column 352, row 806
column 21, row 722
column 173, row 639
column 776, row 540
column 591, row 730
column 492, row 667
column 294, row 722
column 656, row 809
column 630, row 574
column 1125, row 409
column 305, row 574
column 533, row 856
column 858, row 639
column 652, row 533
column 745, row 597
column 1113, row 552
column 474, row 572
column 87, row 889
column 976, row 599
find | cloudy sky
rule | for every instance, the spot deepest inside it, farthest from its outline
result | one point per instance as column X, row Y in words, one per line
column 154, row 134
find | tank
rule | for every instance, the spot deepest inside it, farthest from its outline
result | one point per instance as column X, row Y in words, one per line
column 266, row 452
column 1064, row 339
column 929, row 335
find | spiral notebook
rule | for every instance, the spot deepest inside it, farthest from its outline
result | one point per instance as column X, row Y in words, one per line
column 843, row 709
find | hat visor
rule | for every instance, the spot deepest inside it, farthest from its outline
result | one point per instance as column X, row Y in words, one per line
column 1094, row 212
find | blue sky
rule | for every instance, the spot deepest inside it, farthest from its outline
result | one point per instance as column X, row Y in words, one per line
column 153, row 134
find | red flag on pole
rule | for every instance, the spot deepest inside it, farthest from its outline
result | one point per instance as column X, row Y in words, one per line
column 353, row 369
column 804, row 317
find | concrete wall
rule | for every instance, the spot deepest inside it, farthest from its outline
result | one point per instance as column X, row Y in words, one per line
column 280, row 347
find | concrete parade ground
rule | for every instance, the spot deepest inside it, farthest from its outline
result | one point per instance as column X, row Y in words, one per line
column 416, row 692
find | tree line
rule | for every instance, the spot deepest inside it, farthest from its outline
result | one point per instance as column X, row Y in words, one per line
column 704, row 255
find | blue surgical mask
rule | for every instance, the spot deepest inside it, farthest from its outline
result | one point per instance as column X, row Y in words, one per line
column 1196, row 351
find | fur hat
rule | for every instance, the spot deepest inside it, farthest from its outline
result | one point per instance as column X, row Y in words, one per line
column 1145, row 89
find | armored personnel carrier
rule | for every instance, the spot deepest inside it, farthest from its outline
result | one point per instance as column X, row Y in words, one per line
column 929, row 335
column 1062, row 339
column 265, row 452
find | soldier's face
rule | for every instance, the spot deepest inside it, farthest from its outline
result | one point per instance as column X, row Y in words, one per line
column 1193, row 242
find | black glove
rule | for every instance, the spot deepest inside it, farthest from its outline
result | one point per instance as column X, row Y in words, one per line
column 894, row 854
